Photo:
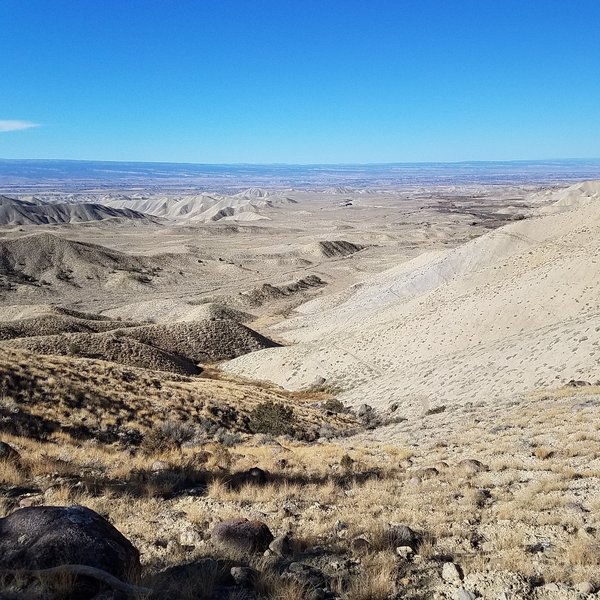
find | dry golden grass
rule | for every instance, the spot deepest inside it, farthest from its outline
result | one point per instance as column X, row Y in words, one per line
column 85, row 398
column 491, row 520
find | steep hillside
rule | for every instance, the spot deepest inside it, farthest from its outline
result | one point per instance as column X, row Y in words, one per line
column 513, row 310
column 87, row 398
column 45, row 257
column 19, row 212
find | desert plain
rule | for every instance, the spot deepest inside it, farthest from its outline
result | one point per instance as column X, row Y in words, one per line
column 401, row 384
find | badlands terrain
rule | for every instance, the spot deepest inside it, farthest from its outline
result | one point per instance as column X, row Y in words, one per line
column 397, row 387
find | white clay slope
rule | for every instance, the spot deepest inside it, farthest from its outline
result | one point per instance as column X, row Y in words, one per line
column 512, row 310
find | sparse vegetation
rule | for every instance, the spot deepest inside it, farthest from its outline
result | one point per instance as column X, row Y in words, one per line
column 272, row 418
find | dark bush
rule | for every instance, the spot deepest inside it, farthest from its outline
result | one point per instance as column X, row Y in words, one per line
column 272, row 418
column 167, row 436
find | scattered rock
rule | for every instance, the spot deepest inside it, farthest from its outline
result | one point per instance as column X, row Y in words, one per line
column 242, row 534
column 441, row 465
column 244, row 576
column 254, row 476
column 404, row 551
column 281, row 545
column 290, row 509
column 462, row 594
column 360, row 545
column 8, row 453
column 427, row 473
column 585, row 587
column 159, row 465
column 470, row 466
column 451, row 573
column 307, row 576
column 402, row 535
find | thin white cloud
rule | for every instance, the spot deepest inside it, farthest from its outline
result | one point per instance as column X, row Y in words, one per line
column 16, row 125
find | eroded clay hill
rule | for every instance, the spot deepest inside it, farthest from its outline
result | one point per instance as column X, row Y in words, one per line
column 515, row 309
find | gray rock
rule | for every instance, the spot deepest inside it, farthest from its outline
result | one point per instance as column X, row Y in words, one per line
column 451, row 573
column 244, row 576
column 307, row 576
column 42, row 537
column 402, row 535
column 281, row 545
column 190, row 537
column 159, row 465
column 241, row 534
column 363, row 410
column 585, row 587
column 253, row 476
column 462, row 594
column 470, row 466
column 8, row 453
column 404, row 551
column 360, row 545
column 427, row 473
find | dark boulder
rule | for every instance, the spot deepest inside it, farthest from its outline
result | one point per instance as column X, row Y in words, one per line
column 241, row 534
column 43, row 537
column 8, row 453
column 253, row 476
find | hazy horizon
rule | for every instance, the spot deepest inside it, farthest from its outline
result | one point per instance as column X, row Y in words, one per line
column 18, row 175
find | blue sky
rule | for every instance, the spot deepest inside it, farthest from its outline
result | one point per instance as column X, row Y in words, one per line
column 303, row 81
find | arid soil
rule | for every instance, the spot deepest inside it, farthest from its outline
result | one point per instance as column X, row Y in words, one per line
column 398, row 389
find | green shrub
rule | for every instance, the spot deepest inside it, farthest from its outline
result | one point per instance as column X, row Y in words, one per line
column 272, row 418
column 333, row 405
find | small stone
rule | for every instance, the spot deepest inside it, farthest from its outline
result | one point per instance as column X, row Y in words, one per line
column 34, row 500
column 340, row 525
column 441, row 465
column 364, row 410
column 470, row 466
column 404, row 551
column 414, row 481
column 400, row 534
column 281, row 545
column 290, row 509
column 552, row 587
column 360, row 545
column 427, row 473
column 190, row 537
column 159, row 465
column 8, row 453
column 451, row 573
column 462, row 594
column 585, row 587
column 244, row 576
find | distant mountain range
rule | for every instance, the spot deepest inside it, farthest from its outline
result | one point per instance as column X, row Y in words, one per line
column 68, row 175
